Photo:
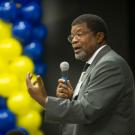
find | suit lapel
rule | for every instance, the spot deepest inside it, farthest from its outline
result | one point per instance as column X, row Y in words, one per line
column 100, row 55
column 97, row 58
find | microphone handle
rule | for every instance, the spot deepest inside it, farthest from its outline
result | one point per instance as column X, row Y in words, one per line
column 64, row 76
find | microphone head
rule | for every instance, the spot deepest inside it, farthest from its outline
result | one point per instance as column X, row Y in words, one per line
column 64, row 66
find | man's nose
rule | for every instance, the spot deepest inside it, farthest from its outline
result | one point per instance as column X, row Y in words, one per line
column 74, row 40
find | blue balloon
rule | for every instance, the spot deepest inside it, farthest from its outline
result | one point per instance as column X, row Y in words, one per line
column 23, row 130
column 34, row 50
column 2, row 133
column 18, row 14
column 39, row 32
column 2, row 103
column 8, row 11
column 22, row 31
column 38, row 1
column 23, row 2
column 40, row 68
column 31, row 12
column 7, row 120
column 18, row 130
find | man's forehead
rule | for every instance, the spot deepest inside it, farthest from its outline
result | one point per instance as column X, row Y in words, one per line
column 79, row 27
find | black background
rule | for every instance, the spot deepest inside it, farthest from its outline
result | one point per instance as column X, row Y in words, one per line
column 58, row 15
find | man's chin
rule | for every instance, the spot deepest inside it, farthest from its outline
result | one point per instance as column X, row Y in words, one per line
column 80, row 57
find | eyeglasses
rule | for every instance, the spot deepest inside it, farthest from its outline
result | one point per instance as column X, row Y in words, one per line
column 77, row 35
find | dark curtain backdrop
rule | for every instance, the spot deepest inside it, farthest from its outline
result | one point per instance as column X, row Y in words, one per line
column 58, row 15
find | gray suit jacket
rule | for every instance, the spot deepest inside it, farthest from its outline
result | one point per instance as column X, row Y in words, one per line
column 104, row 105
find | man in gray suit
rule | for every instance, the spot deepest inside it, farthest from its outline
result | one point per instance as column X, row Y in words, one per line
column 102, row 102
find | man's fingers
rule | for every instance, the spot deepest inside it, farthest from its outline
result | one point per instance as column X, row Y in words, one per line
column 28, row 80
column 62, row 95
column 61, row 90
column 69, row 84
column 30, row 76
column 61, row 81
column 64, row 90
column 39, row 81
column 34, row 82
column 61, row 85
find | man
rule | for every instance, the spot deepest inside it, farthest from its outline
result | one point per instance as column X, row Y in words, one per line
column 101, row 103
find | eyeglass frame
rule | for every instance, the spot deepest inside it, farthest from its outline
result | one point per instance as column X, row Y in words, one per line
column 78, row 35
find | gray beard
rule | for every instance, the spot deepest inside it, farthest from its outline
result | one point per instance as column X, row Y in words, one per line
column 81, row 56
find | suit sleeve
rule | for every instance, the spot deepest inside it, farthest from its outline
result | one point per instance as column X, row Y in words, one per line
column 103, row 91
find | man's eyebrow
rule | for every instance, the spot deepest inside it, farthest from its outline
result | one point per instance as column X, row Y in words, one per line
column 78, row 30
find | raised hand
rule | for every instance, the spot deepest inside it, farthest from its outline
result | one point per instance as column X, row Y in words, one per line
column 36, row 89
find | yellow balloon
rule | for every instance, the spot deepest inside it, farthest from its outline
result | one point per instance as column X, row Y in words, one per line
column 19, row 103
column 8, row 84
column 21, row 66
column 3, row 66
column 37, row 132
column 31, row 121
column 36, row 106
column 10, row 48
column 23, row 88
column 5, row 30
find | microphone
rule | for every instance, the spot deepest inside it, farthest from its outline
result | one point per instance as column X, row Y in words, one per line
column 64, row 66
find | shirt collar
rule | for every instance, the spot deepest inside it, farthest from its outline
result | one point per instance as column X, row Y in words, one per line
column 95, row 54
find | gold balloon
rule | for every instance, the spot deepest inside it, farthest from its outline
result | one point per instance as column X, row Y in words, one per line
column 8, row 84
column 3, row 66
column 21, row 66
column 37, row 132
column 19, row 103
column 31, row 121
column 10, row 48
column 36, row 106
column 5, row 30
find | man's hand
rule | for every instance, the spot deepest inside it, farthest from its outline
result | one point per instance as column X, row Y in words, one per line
column 36, row 89
column 64, row 90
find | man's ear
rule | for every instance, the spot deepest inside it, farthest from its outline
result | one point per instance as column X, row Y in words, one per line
column 100, row 37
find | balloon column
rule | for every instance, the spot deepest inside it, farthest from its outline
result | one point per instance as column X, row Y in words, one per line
column 21, row 47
